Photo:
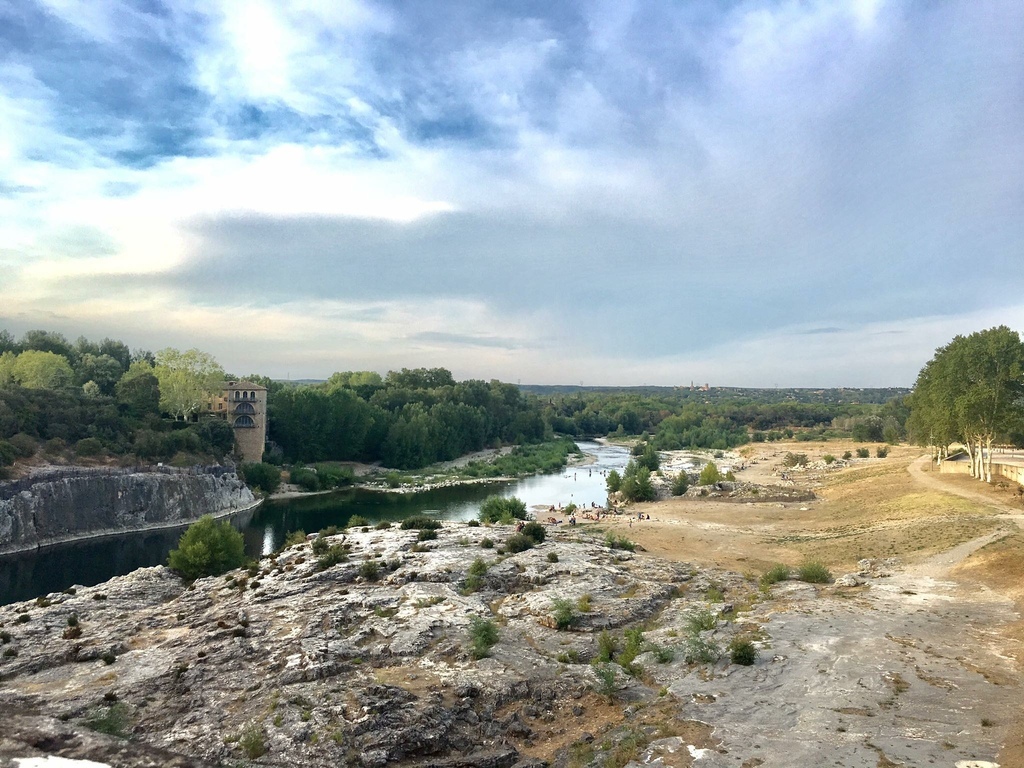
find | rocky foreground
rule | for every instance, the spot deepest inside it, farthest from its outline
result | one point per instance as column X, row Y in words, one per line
column 370, row 654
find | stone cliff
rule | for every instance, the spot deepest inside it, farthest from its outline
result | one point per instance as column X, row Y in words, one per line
column 65, row 506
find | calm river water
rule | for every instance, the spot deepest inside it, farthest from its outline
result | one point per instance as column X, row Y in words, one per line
column 26, row 576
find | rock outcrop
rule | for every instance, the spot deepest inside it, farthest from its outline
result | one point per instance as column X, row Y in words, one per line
column 65, row 506
column 376, row 648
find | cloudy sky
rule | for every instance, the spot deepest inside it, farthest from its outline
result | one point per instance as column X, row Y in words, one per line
column 772, row 192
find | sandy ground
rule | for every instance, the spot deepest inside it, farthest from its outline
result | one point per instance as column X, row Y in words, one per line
column 958, row 541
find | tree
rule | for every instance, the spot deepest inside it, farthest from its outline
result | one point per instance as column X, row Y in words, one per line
column 187, row 380
column 102, row 369
column 972, row 391
column 139, row 390
column 613, row 482
column 42, row 370
column 208, row 548
column 499, row 509
column 710, row 474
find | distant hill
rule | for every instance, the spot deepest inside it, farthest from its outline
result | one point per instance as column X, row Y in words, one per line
column 864, row 395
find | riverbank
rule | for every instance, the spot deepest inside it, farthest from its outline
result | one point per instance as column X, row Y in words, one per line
column 488, row 466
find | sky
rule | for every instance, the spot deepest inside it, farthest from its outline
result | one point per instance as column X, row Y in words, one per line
column 766, row 193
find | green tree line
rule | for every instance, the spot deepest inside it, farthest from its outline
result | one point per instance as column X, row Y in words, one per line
column 971, row 392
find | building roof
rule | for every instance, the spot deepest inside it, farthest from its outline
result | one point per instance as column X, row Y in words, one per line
column 242, row 385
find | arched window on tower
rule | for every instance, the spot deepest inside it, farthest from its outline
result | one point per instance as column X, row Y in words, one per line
column 245, row 421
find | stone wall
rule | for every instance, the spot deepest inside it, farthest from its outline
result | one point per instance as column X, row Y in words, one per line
column 69, row 506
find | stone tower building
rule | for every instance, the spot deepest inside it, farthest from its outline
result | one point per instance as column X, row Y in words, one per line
column 244, row 405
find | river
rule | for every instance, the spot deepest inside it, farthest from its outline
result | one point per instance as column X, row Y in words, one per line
column 31, row 574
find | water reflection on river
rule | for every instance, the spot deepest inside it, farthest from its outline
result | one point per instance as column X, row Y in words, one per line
column 25, row 576
column 583, row 485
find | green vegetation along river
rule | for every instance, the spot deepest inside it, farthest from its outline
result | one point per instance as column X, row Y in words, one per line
column 28, row 575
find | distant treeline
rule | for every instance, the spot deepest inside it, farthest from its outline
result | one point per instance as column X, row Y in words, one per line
column 87, row 398
column 683, row 418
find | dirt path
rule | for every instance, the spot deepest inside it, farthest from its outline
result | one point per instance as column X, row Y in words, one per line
column 931, row 479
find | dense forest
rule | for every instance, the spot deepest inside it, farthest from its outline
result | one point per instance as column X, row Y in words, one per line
column 100, row 399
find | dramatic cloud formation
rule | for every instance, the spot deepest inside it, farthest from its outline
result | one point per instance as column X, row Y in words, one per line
column 746, row 193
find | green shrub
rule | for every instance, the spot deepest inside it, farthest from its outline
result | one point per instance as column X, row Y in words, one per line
column 775, row 574
column 613, row 482
column 23, row 618
column 305, row 478
column 370, row 570
column 742, row 651
column 700, row 620
column 320, row 545
column 475, row 575
column 606, row 679
column 564, row 613
column 795, row 460
column 89, row 446
column 24, row 445
column 8, row 454
column 334, row 477
column 517, row 542
column 535, row 531
column 486, row 543
column 473, row 523
column 847, row 456
column 710, row 474
column 5, row 637
column 420, row 522
column 701, row 650
column 253, row 741
column 863, row 453
column 499, row 509
column 607, row 646
column 483, row 634
column 814, row 572
column 584, row 603
column 828, row 458
column 208, row 548
column 357, row 521
column 680, row 484
column 632, row 645
column 663, row 655
column 10, row 653
column 262, row 477
column 552, row 557
column 426, row 534
column 293, row 538
column 882, row 451
column 613, row 541
column 383, row 525
column 331, row 556
column 114, row 720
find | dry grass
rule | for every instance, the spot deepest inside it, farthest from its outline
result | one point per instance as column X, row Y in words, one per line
column 874, row 508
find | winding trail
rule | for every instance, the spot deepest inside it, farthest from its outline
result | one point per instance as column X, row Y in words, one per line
column 943, row 561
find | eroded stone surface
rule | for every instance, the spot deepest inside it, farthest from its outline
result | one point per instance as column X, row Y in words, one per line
column 361, row 664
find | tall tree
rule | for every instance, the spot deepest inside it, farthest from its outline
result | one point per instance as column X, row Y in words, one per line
column 971, row 391
column 187, row 380
column 42, row 370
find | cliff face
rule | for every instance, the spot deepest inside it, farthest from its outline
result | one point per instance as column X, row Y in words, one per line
column 64, row 508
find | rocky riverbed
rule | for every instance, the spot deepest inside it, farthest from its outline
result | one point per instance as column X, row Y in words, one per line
column 366, row 658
